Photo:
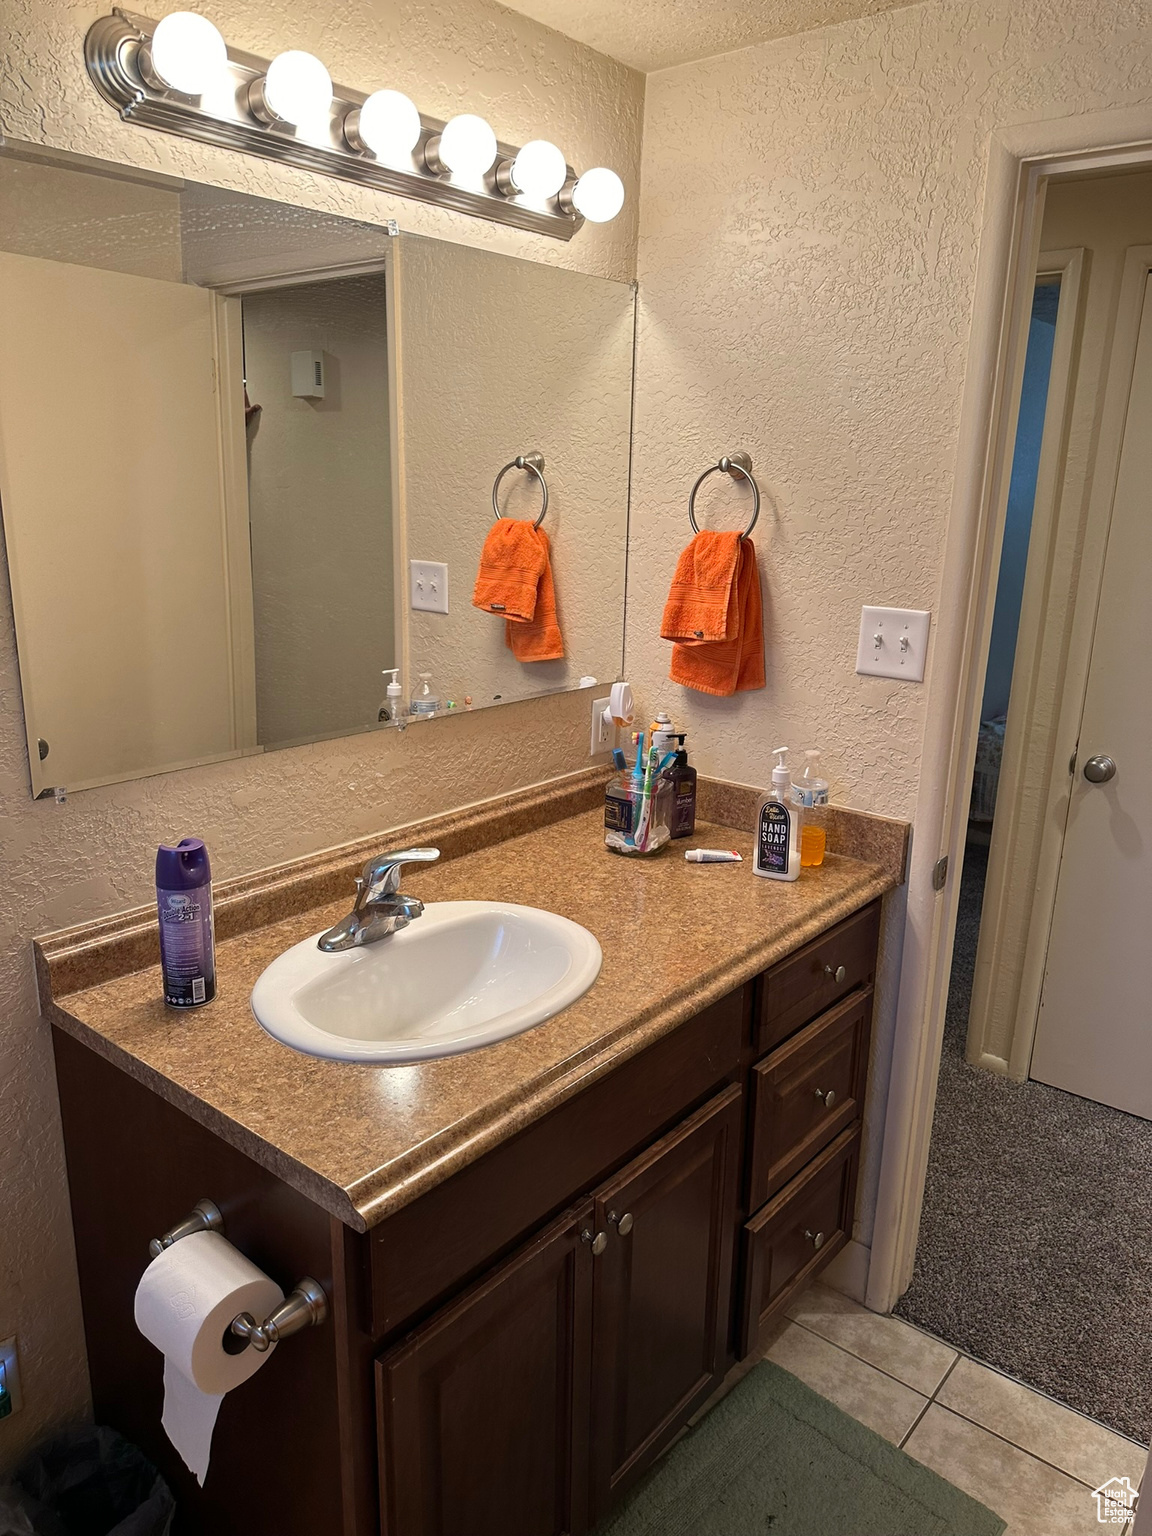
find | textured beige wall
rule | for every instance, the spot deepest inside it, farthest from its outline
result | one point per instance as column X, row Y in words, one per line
column 63, row 864
column 497, row 358
column 809, row 231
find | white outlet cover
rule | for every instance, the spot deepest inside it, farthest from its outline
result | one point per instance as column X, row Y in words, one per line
column 893, row 643
column 428, row 583
column 603, row 737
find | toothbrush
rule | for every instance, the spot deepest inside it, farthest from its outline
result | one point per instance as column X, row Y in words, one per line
column 644, row 821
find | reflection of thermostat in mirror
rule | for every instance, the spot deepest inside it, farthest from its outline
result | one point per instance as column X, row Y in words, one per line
column 308, row 375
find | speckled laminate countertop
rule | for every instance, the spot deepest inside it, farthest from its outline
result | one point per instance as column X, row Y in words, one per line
column 363, row 1141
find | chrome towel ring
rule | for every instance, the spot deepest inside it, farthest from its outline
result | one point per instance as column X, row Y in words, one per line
column 732, row 464
column 534, row 463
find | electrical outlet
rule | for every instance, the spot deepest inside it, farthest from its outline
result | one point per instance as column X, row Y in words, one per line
column 603, row 737
column 429, row 583
column 893, row 643
column 10, row 1378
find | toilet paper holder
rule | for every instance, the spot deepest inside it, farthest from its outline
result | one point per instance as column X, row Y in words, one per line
column 305, row 1306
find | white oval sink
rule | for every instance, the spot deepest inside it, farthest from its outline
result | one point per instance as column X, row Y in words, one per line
column 465, row 974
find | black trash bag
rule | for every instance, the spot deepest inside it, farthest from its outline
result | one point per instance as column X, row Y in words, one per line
column 92, row 1482
column 21, row 1515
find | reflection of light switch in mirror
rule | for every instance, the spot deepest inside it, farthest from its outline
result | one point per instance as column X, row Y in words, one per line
column 429, row 584
column 308, row 375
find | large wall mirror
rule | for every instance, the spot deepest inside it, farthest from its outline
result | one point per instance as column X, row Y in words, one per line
column 247, row 460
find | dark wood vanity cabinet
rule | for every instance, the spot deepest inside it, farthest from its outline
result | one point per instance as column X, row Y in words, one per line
column 511, row 1351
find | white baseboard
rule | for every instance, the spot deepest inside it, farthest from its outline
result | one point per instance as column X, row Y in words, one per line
column 848, row 1271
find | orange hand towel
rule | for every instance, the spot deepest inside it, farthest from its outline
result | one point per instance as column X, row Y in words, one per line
column 732, row 662
column 702, row 601
column 538, row 638
column 515, row 582
column 511, row 565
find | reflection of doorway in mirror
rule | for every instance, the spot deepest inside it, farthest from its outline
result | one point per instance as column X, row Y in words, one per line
column 319, row 483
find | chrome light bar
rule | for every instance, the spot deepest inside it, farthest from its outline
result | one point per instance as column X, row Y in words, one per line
column 116, row 52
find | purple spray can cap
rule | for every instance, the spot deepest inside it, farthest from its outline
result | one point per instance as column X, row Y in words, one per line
column 184, row 867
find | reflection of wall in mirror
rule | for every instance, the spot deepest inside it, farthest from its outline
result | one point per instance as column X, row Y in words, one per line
column 320, row 506
column 498, row 357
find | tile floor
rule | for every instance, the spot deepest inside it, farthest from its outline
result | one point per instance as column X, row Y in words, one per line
column 1030, row 1459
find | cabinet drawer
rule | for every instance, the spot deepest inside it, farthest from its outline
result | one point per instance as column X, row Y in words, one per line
column 796, row 1234
column 806, row 1092
column 816, row 976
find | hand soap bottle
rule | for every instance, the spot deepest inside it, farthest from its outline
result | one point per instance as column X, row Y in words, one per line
column 809, row 792
column 777, row 855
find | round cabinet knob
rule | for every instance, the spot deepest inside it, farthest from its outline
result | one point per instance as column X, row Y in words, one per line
column 837, row 975
column 815, row 1238
column 598, row 1240
column 1098, row 770
column 828, row 1095
column 623, row 1224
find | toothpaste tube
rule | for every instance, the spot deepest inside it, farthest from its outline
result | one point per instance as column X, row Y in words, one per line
column 713, row 856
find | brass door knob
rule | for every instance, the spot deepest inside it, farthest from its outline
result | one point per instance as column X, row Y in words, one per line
column 815, row 1238
column 598, row 1240
column 837, row 975
column 623, row 1224
column 828, row 1095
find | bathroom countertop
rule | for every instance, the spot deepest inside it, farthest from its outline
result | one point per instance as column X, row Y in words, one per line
column 362, row 1141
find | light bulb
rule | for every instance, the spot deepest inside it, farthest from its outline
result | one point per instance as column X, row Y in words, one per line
column 297, row 86
column 389, row 125
column 188, row 52
column 598, row 195
column 539, row 170
column 467, row 145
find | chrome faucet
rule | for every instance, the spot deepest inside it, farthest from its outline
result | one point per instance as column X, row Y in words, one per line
column 380, row 908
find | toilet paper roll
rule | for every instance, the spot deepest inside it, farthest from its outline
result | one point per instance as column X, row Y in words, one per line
column 185, row 1303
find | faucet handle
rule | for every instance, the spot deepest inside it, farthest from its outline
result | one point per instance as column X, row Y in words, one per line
column 381, row 875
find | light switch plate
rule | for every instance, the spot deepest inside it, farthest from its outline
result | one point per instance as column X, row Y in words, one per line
column 893, row 643
column 428, row 580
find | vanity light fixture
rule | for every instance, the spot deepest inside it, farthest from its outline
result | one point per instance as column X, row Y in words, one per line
column 178, row 75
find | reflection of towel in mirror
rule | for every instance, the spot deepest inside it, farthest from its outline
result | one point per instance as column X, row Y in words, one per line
column 515, row 583
column 713, row 613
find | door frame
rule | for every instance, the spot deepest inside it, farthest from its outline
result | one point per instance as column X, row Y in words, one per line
column 1022, row 160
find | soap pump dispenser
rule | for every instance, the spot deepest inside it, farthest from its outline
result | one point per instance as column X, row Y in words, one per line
column 390, row 709
column 424, row 701
column 777, row 855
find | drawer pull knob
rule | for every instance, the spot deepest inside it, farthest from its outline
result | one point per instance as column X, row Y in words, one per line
column 838, row 974
column 623, row 1224
column 598, row 1240
column 828, row 1095
column 815, row 1238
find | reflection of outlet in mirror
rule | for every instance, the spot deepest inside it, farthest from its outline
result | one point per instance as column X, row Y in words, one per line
column 603, row 737
column 428, row 583
column 10, row 1399
column 893, row 643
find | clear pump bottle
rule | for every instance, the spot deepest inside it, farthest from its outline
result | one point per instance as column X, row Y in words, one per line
column 777, row 855
column 809, row 792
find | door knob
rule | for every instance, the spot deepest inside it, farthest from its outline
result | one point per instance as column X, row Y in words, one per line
column 598, row 1240
column 1098, row 770
column 815, row 1238
column 623, row 1224
column 837, row 975
column 828, row 1095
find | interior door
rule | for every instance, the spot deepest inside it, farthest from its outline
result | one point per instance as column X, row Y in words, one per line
column 1094, row 1032
column 662, row 1292
column 111, row 479
column 483, row 1412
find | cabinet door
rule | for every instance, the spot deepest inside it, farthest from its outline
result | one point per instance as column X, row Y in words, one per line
column 662, row 1291
column 483, row 1411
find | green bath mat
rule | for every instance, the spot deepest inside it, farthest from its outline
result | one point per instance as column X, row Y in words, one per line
column 775, row 1459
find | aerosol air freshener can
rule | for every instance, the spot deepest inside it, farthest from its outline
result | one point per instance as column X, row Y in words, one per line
column 187, row 937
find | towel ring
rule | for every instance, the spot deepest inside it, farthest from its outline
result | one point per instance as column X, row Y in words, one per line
column 534, row 464
column 732, row 464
